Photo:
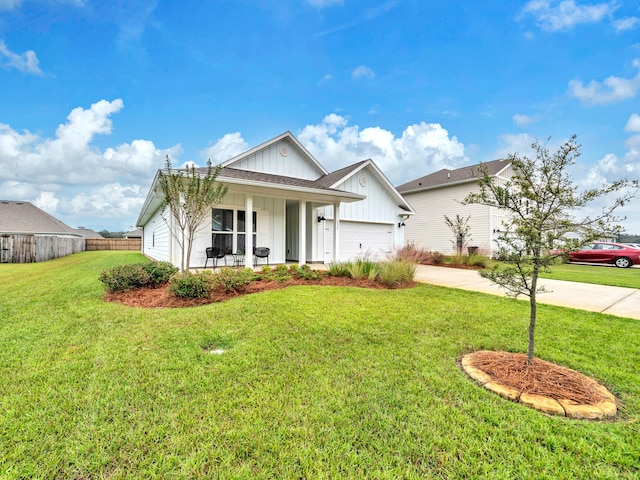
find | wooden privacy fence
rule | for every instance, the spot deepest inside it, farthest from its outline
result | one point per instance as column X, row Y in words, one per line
column 25, row 248
column 114, row 244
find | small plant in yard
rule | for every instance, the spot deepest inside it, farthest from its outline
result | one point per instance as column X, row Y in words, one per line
column 159, row 272
column 137, row 275
column 477, row 260
column 306, row 273
column 411, row 253
column 265, row 269
column 339, row 269
column 396, row 273
column 361, row 268
column 293, row 268
column 191, row 285
column 232, row 280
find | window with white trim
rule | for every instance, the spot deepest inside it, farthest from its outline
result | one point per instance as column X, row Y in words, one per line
column 228, row 230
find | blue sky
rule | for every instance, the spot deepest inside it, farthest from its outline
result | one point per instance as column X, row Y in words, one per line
column 95, row 94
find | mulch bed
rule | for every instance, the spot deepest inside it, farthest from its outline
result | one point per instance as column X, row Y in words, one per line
column 161, row 298
column 541, row 378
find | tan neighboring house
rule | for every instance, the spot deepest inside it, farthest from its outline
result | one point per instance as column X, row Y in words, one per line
column 441, row 193
column 29, row 234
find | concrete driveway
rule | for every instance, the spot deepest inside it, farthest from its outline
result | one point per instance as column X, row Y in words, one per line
column 619, row 301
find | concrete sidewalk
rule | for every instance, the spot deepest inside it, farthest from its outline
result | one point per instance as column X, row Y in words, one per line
column 619, row 301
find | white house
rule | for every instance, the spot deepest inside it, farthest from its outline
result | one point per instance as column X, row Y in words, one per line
column 441, row 193
column 299, row 210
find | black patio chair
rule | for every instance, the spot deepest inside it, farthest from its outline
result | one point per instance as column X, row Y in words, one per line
column 215, row 253
column 261, row 252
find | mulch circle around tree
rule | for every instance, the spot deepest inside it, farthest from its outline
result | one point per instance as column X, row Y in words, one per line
column 544, row 386
column 161, row 297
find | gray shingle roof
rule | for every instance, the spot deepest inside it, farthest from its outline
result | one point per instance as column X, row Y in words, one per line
column 275, row 180
column 446, row 176
column 24, row 217
column 333, row 177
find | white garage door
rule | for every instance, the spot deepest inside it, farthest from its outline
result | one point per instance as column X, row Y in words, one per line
column 359, row 239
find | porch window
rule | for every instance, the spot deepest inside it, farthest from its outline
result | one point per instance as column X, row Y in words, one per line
column 229, row 229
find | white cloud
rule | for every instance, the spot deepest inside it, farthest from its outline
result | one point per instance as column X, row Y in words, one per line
column 25, row 63
column 70, row 177
column 612, row 89
column 421, row 149
column 363, row 72
column 566, row 14
column 626, row 23
column 524, row 120
column 324, row 3
column 327, row 78
column 519, row 144
column 225, row 148
column 633, row 124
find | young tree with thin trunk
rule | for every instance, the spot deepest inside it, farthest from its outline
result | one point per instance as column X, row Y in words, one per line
column 189, row 197
column 461, row 231
column 541, row 202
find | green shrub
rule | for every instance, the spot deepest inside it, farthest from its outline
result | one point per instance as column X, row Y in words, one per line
column 266, row 269
column 159, row 272
column 124, row 277
column 305, row 273
column 233, row 280
column 396, row 273
column 191, row 285
column 282, row 269
column 136, row 275
column 293, row 268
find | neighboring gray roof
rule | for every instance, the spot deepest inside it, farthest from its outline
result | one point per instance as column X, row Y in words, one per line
column 446, row 176
column 88, row 233
column 137, row 233
column 24, row 217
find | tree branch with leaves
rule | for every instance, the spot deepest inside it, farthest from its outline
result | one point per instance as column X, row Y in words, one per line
column 541, row 202
column 189, row 197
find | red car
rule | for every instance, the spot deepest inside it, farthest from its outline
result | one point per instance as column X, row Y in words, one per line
column 620, row 255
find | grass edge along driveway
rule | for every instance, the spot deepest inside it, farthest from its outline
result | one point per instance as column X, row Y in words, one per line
column 314, row 382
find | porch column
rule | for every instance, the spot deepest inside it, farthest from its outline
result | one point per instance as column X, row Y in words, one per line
column 336, row 232
column 302, row 233
column 248, row 237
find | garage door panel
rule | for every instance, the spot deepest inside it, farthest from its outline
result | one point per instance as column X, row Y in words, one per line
column 360, row 239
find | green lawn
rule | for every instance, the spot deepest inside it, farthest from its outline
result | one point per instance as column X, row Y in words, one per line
column 598, row 274
column 315, row 382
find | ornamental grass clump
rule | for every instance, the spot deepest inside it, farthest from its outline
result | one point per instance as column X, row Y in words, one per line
column 396, row 273
column 361, row 268
column 339, row 269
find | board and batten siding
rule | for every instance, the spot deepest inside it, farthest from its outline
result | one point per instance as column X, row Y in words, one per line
column 156, row 239
column 427, row 228
column 379, row 206
column 271, row 160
